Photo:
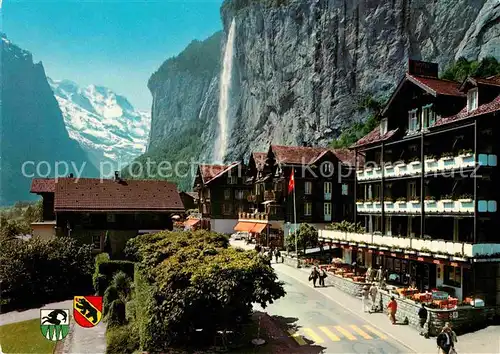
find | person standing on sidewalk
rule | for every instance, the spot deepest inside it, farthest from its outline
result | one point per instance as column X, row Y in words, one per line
column 322, row 277
column 373, row 294
column 392, row 308
column 314, row 275
column 365, row 295
column 422, row 315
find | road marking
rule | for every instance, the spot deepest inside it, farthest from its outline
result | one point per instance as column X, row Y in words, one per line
column 345, row 333
column 361, row 332
column 310, row 333
column 374, row 331
column 298, row 338
column 299, row 280
column 329, row 334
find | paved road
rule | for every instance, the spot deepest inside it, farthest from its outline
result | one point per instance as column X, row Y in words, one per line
column 315, row 320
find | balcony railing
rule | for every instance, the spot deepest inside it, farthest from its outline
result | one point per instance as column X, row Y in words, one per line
column 409, row 244
column 413, row 168
column 461, row 206
column 253, row 216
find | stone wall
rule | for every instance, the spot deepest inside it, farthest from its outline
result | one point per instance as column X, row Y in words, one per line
column 346, row 285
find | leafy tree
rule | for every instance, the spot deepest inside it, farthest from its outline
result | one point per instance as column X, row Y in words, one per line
column 307, row 236
column 459, row 70
column 192, row 280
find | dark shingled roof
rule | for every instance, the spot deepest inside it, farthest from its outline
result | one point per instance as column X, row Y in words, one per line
column 210, row 172
column 93, row 194
column 464, row 114
column 374, row 137
column 43, row 185
column 304, row 155
column 436, row 86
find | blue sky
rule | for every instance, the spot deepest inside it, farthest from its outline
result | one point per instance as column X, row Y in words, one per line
column 117, row 44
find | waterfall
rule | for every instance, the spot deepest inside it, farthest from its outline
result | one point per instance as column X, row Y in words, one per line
column 225, row 86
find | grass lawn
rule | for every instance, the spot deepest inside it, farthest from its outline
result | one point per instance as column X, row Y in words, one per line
column 25, row 337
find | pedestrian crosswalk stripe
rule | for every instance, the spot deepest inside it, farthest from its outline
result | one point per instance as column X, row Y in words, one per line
column 345, row 333
column 374, row 331
column 298, row 338
column 361, row 332
column 329, row 334
column 310, row 333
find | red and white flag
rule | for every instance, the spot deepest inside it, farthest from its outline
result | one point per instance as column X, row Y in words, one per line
column 291, row 183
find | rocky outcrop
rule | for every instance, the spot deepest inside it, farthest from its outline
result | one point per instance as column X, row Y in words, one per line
column 32, row 127
column 303, row 68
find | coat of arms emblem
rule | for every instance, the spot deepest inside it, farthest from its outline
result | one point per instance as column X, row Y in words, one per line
column 54, row 324
column 87, row 310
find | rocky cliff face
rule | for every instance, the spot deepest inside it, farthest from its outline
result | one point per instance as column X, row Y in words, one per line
column 303, row 67
column 32, row 126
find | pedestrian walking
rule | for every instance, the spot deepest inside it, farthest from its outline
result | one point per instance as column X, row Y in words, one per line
column 314, row 275
column 277, row 254
column 392, row 308
column 373, row 294
column 365, row 295
column 322, row 277
column 422, row 315
column 446, row 339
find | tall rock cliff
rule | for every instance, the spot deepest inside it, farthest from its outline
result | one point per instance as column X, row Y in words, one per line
column 302, row 68
column 32, row 126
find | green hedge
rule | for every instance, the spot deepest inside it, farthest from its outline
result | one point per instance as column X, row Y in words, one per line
column 105, row 269
column 122, row 339
column 39, row 271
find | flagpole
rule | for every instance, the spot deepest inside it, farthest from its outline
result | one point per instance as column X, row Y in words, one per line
column 295, row 216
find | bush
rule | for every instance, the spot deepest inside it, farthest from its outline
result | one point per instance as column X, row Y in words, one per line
column 116, row 315
column 121, row 282
column 123, row 339
column 179, row 286
column 39, row 271
column 110, row 295
column 105, row 271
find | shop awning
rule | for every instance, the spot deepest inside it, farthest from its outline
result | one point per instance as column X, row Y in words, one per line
column 258, row 228
column 244, row 226
column 191, row 222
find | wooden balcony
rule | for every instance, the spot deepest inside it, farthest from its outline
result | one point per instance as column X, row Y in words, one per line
column 253, row 216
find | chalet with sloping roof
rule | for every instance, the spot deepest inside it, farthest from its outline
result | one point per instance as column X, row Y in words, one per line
column 88, row 208
column 222, row 195
column 427, row 193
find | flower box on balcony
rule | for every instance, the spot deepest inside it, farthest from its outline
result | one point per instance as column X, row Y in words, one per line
column 447, row 158
column 389, row 203
column 360, row 203
column 362, row 245
column 446, row 201
column 465, row 155
column 410, row 251
column 382, row 248
column 430, row 159
column 401, row 202
column 416, row 201
column 441, row 256
column 424, row 254
column 396, row 250
column 413, row 163
column 429, row 201
column 368, row 169
column 459, row 259
column 368, row 203
column 465, row 200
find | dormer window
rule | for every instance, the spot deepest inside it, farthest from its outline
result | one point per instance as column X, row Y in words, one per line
column 383, row 127
column 413, row 125
column 472, row 99
column 428, row 116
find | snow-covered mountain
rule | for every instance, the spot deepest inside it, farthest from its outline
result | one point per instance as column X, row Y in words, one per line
column 105, row 124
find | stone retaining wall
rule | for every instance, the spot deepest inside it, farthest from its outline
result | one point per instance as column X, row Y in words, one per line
column 346, row 285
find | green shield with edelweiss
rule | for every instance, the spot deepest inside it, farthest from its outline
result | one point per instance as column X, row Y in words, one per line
column 54, row 324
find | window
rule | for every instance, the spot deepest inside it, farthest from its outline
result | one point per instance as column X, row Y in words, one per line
column 472, row 99
column 376, row 192
column 308, row 209
column 452, row 276
column 377, row 224
column 327, row 208
column 412, row 121
column 232, row 179
column 345, row 189
column 377, row 157
column 226, row 208
column 383, row 126
column 307, row 187
column 388, row 224
column 240, row 194
column 428, row 116
column 412, row 190
column 328, row 187
column 96, row 241
column 327, row 168
column 227, row 194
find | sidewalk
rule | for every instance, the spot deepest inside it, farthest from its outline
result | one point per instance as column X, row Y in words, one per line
column 82, row 340
column 485, row 341
column 19, row 316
